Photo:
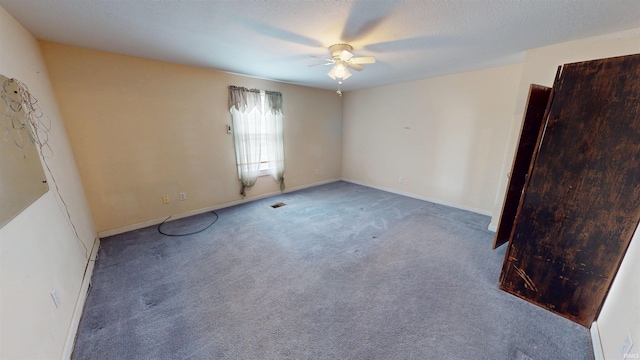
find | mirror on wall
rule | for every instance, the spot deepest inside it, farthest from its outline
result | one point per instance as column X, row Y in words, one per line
column 22, row 178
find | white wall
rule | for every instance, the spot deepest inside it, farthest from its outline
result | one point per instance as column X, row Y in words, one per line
column 445, row 136
column 621, row 312
column 38, row 248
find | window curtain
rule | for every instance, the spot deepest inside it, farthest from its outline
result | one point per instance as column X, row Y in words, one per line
column 274, row 134
column 247, row 119
column 245, row 107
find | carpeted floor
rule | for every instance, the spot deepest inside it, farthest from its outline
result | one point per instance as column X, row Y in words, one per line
column 341, row 271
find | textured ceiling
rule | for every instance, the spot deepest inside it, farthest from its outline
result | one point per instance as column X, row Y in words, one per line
column 273, row 39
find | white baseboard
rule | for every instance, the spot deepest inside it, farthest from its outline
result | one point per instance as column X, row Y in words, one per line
column 157, row 221
column 492, row 227
column 82, row 297
column 420, row 197
column 595, row 340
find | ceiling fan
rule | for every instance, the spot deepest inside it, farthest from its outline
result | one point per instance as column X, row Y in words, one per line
column 342, row 59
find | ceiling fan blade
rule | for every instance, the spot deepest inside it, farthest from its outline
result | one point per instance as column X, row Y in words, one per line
column 363, row 60
column 345, row 55
column 355, row 66
column 327, row 63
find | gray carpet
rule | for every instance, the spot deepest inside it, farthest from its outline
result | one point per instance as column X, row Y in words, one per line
column 341, row 271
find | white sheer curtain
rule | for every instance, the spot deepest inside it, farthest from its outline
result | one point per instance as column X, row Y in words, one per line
column 255, row 133
column 245, row 107
column 274, row 134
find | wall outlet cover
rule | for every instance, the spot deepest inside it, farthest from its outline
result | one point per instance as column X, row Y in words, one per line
column 625, row 349
column 56, row 297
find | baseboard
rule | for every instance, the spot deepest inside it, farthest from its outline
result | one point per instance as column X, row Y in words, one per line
column 157, row 221
column 492, row 227
column 595, row 340
column 82, row 297
column 420, row 197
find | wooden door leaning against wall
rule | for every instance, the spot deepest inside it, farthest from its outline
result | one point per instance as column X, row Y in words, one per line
column 581, row 203
column 527, row 144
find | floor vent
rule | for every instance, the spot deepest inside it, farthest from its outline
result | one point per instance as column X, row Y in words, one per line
column 275, row 206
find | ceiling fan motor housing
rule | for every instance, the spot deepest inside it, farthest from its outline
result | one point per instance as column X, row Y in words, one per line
column 337, row 49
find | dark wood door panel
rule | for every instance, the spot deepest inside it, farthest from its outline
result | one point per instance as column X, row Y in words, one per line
column 527, row 144
column 582, row 202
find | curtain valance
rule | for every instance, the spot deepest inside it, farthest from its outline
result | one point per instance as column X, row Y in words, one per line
column 274, row 101
column 246, row 100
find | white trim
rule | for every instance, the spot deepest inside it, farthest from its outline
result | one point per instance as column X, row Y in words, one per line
column 595, row 340
column 420, row 197
column 82, row 297
column 157, row 221
column 492, row 226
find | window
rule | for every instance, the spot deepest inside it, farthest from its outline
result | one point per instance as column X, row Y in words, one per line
column 258, row 134
column 265, row 165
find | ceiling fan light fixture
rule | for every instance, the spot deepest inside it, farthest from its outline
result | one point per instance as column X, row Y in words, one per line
column 332, row 73
column 342, row 59
column 339, row 71
column 347, row 74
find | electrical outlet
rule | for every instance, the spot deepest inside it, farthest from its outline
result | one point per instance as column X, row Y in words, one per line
column 401, row 179
column 625, row 349
column 183, row 196
column 165, row 199
column 56, row 297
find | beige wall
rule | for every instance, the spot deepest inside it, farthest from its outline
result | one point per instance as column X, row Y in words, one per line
column 38, row 248
column 621, row 312
column 140, row 129
column 445, row 136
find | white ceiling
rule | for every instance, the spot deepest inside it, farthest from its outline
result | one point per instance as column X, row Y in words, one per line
column 273, row 39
